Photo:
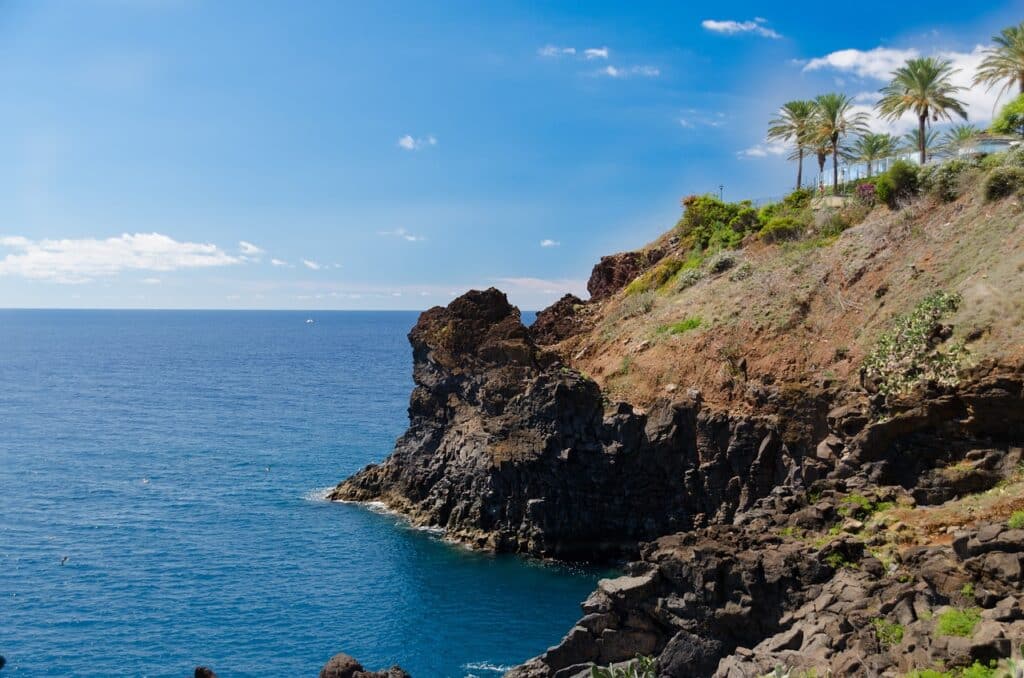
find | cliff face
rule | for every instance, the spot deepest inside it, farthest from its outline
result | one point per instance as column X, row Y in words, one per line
column 739, row 425
column 509, row 449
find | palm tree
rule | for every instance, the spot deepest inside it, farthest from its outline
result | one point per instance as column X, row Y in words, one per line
column 871, row 147
column 834, row 119
column 1005, row 61
column 957, row 136
column 793, row 123
column 912, row 142
column 922, row 86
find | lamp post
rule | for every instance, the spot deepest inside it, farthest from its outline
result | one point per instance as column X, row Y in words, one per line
column 721, row 188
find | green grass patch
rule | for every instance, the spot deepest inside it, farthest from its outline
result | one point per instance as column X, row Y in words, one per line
column 1016, row 521
column 685, row 325
column 958, row 622
column 888, row 633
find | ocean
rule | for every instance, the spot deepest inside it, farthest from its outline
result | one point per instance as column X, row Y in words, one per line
column 176, row 462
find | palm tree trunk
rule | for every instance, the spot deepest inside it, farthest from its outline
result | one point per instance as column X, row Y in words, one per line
column 1021, row 78
column 835, row 166
column 922, row 139
column 799, row 168
column 869, row 169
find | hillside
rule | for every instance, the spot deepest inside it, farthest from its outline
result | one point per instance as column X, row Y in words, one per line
column 804, row 428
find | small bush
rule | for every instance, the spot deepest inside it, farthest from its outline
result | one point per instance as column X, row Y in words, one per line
column 656, row 277
column 1003, row 181
column 906, row 355
column 958, row 622
column 722, row 262
column 866, row 194
column 682, row 326
column 899, row 183
column 641, row 667
column 742, row 272
column 798, row 199
column 992, row 161
column 687, row 278
column 1011, row 158
column 713, row 224
column 632, row 306
column 1016, row 521
column 946, row 180
column 781, row 228
column 888, row 633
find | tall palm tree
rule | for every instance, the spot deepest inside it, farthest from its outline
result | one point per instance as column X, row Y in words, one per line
column 957, row 135
column 834, row 119
column 793, row 124
column 912, row 142
column 1005, row 61
column 924, row 87
column 872, row 147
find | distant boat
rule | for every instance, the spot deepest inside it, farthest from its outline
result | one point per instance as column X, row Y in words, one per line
column 309, row 321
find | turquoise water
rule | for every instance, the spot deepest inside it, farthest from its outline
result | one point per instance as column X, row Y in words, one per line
column 177, row 460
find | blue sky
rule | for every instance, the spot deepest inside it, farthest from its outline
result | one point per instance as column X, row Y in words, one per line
column 200, row 154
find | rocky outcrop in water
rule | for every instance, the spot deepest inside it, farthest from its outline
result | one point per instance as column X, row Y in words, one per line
column 344, row 666
column 510, row 450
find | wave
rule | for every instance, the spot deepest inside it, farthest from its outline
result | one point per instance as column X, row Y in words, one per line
column 318, row 494
column 484, row 666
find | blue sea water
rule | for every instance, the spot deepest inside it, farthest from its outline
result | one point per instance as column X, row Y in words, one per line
column 177, row 460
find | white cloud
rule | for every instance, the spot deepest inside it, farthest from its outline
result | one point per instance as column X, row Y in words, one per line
column 763, row 150
column 82, row 260
column 553, row 51
column 730, row 27
column 311, row 265
column 642, row 71
column 403, row 234
column 410, row 143
column 879, row 63
column 596, row 53
column 151, row 281
column 547, row 242
column 249, row 249
column 278, row 262
column 692, row 118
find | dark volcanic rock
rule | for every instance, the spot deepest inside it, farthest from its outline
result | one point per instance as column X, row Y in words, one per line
column 737, row 602
column 616, row 271
column 509, row 450
column 558, row 321
column 343, row 666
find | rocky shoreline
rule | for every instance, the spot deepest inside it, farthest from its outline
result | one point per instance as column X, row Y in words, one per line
column 807, row 526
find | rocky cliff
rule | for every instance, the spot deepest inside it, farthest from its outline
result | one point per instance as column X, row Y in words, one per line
column 812, row 453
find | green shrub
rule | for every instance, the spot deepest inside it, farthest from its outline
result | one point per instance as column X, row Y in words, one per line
column 722, row 262
column 906, row 355
column 688, row 278
column 655, row 278
column 781, row 228
column 682, row 326
column 632, row 306
column 899, row 183
column 742, row 272
column 798, row 199
column 1016, row 521
column 993, row 160
column 1011, row 118
column 1003, row 181
column 888, row 633
column 712, row 224
column 1011, row 158
column 945, row 181
column 641, row 667
column 979, row 670
column 958, row 622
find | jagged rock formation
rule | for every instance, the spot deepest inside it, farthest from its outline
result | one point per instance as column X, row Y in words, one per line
column 615, row 271
column 344, row 666
column 559, row 321
column 509, row 450
column 796, row 582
